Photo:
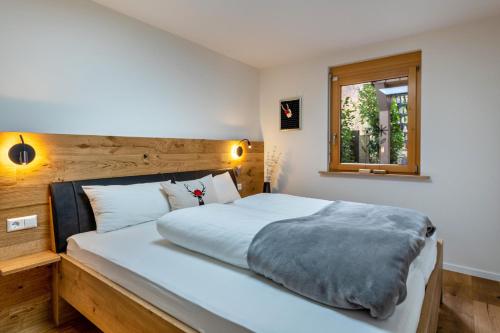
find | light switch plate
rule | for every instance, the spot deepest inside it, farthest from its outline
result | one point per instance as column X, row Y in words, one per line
column 20, row 223
column 30, row 221
column 240, row 186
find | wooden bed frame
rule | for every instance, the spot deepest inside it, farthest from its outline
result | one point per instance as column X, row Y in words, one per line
column 429, row 314
column 114, row 309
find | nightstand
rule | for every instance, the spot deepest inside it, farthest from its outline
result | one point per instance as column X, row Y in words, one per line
column 24, row 263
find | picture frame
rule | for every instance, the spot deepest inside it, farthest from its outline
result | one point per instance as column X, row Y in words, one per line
column 290, row 113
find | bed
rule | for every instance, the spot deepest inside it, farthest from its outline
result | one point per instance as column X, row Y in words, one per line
column 134, row 280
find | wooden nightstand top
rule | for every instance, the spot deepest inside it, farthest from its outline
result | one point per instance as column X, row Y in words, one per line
column 24, row 263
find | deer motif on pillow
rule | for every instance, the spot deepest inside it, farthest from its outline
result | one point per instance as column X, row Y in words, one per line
column 190, row 193
column 198, row 193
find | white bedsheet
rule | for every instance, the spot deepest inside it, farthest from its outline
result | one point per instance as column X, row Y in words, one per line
column 214, row 297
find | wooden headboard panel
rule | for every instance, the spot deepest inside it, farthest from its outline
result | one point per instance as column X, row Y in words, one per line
column 24, row 190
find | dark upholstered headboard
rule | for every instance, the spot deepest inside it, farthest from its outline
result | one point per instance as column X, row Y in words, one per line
column 71, row 210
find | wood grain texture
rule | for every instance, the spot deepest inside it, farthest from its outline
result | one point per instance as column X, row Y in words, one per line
column 380, row 64
column 16, row 265
column 24, row 191
column 386, row 176
column 470, row 304
column 62, row 311
column 429, row 313
column 78, row 325
column 111, row 307
column 25, row 300
column 456, row 313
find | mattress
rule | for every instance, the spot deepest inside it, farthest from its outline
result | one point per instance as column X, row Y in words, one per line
column 212, row 296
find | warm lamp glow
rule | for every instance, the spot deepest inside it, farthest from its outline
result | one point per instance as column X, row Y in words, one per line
column 22, row 153
column 10, row 139
column 237, row 150
column 234, row 152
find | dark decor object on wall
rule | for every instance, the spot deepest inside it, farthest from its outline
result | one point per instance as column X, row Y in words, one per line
column 290, row 113
column 239, row 149
column 267, row 187
column 22, row 153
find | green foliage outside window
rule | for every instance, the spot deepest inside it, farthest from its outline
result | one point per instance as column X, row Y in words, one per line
column 369, row 112
column 397, row 136
column 346, row 135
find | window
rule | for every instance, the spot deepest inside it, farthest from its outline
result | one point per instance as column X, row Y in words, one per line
column 375, row 115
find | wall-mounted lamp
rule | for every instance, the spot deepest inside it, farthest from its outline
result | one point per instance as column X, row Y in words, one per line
column 22, row 153
column 239, row 149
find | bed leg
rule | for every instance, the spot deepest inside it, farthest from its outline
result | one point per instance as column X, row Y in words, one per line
column 62, row 311
column 56, row 300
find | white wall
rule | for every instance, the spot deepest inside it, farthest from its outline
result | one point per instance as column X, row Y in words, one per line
column 76, row 67
column 460, row 138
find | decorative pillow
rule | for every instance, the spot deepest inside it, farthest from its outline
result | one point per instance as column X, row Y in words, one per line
column 120, row 206
column 190, row 193
column 225, row 189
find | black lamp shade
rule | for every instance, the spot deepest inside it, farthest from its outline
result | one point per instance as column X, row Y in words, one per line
column 239, row 149
column 22, row 153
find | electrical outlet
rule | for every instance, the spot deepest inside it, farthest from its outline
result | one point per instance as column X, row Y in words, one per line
column 240, row 186
column 15, row 224
column 20, row 223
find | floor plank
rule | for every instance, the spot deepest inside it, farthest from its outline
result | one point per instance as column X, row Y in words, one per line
column 494, row 312
column 486, row 291
column 482, row 321
column 80, row 325
column 455, row 315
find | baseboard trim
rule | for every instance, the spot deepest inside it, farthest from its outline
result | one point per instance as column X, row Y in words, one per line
column 472, row 271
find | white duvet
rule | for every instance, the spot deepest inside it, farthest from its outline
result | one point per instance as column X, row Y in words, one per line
column 225, row 231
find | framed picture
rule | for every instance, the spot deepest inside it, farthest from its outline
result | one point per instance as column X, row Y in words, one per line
column 290, row 113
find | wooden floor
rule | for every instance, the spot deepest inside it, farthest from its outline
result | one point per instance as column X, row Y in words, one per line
column 76, row 326
column 470, row 304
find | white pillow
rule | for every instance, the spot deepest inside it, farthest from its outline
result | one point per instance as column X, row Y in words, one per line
column 190, row 193
column 225, row 189
column 120, row 206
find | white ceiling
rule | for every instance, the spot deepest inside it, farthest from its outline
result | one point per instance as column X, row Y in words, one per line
column 264, row 33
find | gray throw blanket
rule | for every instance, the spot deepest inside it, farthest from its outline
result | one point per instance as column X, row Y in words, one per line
column 347, row 255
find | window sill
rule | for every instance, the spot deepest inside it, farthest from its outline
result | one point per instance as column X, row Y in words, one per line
column 373, row 175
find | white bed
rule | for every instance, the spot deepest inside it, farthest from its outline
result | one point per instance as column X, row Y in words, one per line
column 212, row 296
